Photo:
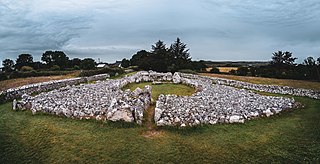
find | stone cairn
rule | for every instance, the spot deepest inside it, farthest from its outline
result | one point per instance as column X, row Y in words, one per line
column 216, row 100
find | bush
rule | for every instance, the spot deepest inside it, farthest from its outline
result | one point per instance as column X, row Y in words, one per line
column 26, row 69
column 55, row 68
column 76, row 67
column 214, row 70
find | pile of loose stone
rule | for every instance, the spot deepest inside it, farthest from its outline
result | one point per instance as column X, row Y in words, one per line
column 14, row 93
column 216, row 100
column 214, row 103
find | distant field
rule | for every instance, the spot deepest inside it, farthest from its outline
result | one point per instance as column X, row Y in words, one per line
column 224, row 69
column 6, row 84
column 270, row 81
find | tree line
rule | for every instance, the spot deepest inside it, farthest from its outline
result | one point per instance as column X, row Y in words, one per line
column 164, row 59
column 283, row 65
column 51, row 60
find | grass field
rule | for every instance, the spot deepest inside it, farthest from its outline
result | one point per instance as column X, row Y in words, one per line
column 224, row 69
column 6, row 84
column 292, row 136
column 270, row 81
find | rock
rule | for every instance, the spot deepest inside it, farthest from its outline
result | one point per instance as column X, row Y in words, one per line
column 268, row 112
column 14, row 104
column 234, row 119
column 122, row 114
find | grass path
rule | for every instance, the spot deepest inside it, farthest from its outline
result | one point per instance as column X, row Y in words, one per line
column 169, row 88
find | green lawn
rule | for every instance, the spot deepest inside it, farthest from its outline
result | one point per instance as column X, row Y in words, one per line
column 292, row 136
column 167, row 88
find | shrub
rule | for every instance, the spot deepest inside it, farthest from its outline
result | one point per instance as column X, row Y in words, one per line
column 26, row 68
column 76, row 67
column 214, row 70
column 55, row 68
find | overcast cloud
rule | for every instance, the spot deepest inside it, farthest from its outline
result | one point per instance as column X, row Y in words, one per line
column 116, row 29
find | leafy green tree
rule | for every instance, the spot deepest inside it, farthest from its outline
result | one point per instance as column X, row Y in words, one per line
column 8, row 65
column 88, row 64
column 75, row 62
column 309, row 61
column 47, row 57
column 242, row 71
column 24, row 60
column 58, row 58
column 125, row 63
column 142, row 59
column 199, row 66
column 282, row 59
column 312, row 67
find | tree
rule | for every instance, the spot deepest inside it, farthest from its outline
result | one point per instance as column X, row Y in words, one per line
column 125, row 63
column 24, row 60
column 88, row 63
column 179, row 50
column 282, row 59
column 162, row 59
column 159, row 57
column 180, row 55
column 313, row 71
column 142, row 59
column 47, row 57
column 8, row 65
column 242, row 71
column 75, row 62
column 58, row 58
column 199, row 65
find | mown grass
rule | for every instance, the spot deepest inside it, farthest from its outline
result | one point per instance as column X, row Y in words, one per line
column 292, row 136
column 270, row 81
column 165, row 88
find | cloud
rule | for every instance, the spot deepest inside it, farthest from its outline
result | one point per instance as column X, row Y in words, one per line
column 114, row 29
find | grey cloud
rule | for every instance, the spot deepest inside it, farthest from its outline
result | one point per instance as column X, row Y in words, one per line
column 112, row 30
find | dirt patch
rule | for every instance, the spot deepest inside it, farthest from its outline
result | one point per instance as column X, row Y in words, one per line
column 151, row 131
column 153, row 134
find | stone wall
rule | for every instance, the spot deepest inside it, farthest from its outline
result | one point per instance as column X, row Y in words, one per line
column 214, row 104
column 103, row 100
column 216, row 100
column 16, row 93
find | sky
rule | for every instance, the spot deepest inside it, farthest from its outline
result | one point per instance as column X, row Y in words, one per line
column 110, row 30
